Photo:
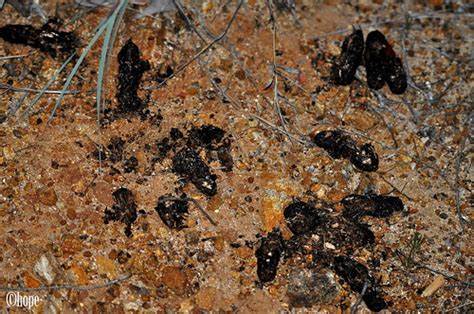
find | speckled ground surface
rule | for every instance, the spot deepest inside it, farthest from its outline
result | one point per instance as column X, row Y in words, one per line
column 54, row 192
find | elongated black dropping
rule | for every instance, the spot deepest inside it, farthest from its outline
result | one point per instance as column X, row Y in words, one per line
column 357, row 275
column 395, row 76
column 173, row 212
column 345, row 67
column 380, row 206
column 124, row 209
column 302, row 217
column 268, row 256
column 339, row 145
column 188, row 164
column 374, row 58
column 383, row 65
column 131, row 69
column 46, row 38
column 336, row 143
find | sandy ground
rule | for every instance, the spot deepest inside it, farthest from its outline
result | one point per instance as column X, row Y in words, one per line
column 54, row 192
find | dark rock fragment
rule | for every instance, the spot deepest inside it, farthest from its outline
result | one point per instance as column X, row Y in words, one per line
column 173, row 211
column 344, row 69
column 163, row 147
column 357, row 276
column 130, row 164
column 175, row 134
column 163, row 74
column 131, row 69
column 188, row 164
column 372, row 205
column 47, row 38
column 124, row 210
column 285, row 5
column 116, row 148
column 268, row 256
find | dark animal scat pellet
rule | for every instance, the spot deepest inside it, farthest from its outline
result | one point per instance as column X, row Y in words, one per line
column 340, row 145
column 206, row 136
column 383, row 65
column 188, row 164
column 301, row 217
column 173, row 212
column 345, row 67
column 268, row 256
column 395, row 76
column 357, row 275
column 46, row 38
column 335, row 143
column 124, row 209
column 379, row 206
column 131, row 69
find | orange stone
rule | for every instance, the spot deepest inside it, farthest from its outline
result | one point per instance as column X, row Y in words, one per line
column 79, row 275
column 31, row 281
column 47, row 196
column 175, row 279
column 71, row 246
column 271, row 215
column 106, row 266
column 206, row 298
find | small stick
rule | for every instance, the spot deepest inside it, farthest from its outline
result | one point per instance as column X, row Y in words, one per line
column 203, row 50
column 74, row 287
column 195, row 202
column 32, row 90
column 15, row 56
column 359, row 300
column 420, row 265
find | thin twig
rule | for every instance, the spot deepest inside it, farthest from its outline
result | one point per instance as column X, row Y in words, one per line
column 420, row 265
column 276, row 102
column 32, row 90
column 179, row 6
column 189, row 199
column 203, row 50
column 359, row 299
column 394, row 187
column 15, row 56
column 74, row 287
column 459, row 306
column 282, row 131
column 457, row 197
